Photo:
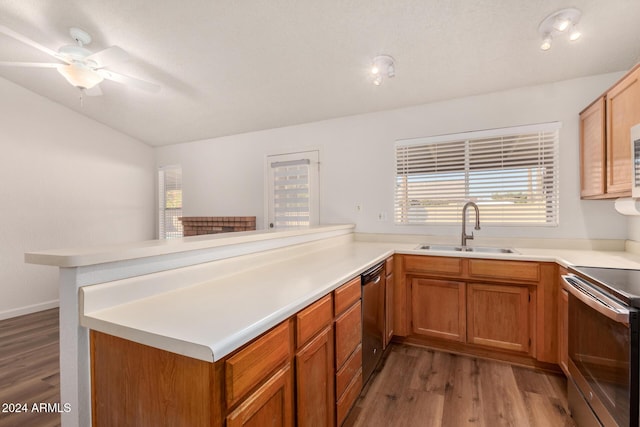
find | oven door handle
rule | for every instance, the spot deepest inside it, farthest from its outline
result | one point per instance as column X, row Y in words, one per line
column 596, row 299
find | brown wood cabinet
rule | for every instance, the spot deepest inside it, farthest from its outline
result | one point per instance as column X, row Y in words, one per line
column 137, row 385
column 253, row 364
column 563, row 325
column 348, row 347
column 315, row 376
column 605, row 150
column 270, row 404
column 499, row 316
column 289, row 375
column 388, row 302
column 315, row 381
column 623, row 112
column 438, row 308
column 593, row 165
column 505, row 309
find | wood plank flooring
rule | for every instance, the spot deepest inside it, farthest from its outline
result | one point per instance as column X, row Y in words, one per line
column 29, row 368
column 417, row 387
column 423, row 387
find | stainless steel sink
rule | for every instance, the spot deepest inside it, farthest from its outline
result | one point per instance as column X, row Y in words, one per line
column 452, row 248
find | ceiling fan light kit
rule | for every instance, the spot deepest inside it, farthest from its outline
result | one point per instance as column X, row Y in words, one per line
column 81, row 67
column 561, row 22
column 80, row 76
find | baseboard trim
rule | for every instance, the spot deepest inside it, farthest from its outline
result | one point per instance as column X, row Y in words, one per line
column 21, row 311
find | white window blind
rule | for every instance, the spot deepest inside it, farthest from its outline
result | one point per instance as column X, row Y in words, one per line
column 511, row 173
column 169, row 202
column 291, row 193
column 291, row 184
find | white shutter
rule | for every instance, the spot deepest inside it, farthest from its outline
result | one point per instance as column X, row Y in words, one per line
column 293, row 194
column 512, row 174
column 169, row 202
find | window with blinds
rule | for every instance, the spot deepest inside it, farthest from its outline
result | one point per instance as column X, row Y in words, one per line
column 169, row 202
column 292, row 190
column 511, row 173
column 291, row 193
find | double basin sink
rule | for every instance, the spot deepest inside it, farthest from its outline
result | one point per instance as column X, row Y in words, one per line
column 482, row 249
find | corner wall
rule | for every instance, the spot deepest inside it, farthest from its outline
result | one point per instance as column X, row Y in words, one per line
column 225, row 176
column 68, row 181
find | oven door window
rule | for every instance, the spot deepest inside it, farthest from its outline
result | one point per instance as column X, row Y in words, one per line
column 601, row 350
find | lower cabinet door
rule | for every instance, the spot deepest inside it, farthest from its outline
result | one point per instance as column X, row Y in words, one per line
column 499, row 316
column 315, row 382
column 269, row 405
column 438, row 308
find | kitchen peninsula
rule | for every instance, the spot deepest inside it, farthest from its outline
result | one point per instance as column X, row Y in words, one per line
column 204, row 297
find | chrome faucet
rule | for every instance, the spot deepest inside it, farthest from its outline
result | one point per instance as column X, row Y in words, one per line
column 466, row 236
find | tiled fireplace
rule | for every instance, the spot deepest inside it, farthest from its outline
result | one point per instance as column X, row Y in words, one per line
column 196, row 225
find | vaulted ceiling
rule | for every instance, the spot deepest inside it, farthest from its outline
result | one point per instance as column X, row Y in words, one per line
column 229, row 67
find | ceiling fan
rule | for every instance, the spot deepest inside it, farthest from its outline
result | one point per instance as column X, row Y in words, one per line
column 81, row 67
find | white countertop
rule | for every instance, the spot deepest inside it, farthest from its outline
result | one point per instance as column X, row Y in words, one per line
column 77, row 257
column 209, row 318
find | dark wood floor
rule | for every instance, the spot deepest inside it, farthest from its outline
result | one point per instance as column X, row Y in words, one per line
column 422, row 387
column 417, row 387
column 29, row 369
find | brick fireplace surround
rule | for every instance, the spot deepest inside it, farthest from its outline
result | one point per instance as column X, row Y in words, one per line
column 197, row 225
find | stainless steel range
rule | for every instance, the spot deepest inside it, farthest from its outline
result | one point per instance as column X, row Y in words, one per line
column 604, row 353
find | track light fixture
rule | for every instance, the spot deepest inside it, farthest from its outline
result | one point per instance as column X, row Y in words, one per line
column 382, row 65
column 560, row 22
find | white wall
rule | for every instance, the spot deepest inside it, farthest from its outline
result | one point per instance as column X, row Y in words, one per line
column 224, row 176
column 67, row 181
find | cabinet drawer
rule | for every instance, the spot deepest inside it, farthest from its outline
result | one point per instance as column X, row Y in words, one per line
column 510, row 270
column 273, row 401
column 254, row 363
column 346, row 295
column 388, row 266
column 313, row 319
column 348, row 333
column 430, row 264
column 345, row 375
column 349, row 397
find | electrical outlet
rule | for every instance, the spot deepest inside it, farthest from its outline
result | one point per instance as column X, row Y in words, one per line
column 382, row 216
column 358, row 207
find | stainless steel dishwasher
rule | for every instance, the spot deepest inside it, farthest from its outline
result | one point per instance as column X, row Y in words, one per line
column 373, row 281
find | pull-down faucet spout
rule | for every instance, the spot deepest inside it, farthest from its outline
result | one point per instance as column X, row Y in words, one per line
column 466, row 236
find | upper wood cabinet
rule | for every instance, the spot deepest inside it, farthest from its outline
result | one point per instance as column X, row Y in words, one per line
column 605, row 151
column 593, row 150
column 623, row 112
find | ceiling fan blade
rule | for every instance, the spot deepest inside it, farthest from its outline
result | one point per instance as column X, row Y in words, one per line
column 30, row 64
column 108, row 56
column 128, row 80
column 94, row 91
column 9, row 32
